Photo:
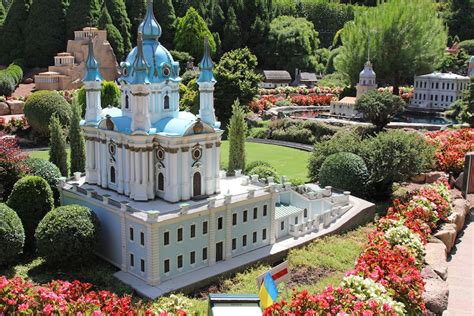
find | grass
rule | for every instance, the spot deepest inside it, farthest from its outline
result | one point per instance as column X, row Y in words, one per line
column 43, row 154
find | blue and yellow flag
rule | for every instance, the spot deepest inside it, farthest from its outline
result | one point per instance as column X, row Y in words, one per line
column 268, row 291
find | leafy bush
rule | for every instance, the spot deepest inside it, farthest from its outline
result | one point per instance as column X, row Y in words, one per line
column 16, row 73
column 345, row 171
column 68, row 235
column 46, row 170
column 467, row 46
column 41, row 106
column 259, row 132
column 283, row 103
column 11, row 165
column 12, row 235
column 319, row 129
column 110, row 94
column 305, row 132
column 6, row 85
column 32, row 199
column 294, row 134
column 264, row 172
column 256, row 163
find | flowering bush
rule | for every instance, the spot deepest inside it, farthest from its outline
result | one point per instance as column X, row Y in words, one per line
column 401, row 235
column 451, row 147
column 11, row 164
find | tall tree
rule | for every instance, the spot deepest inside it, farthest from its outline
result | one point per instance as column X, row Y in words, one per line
column 3, row 13
column 113, row 34
column 237, row 134
column 293, row 43
column 190, row 33
column 81, row 13
column 57, row 149
column 120, row 19
column 164, row 12
column 76, row 140
column 45, row 31
column 232, row 38
column 406, row 38
column 13, row 32
column 461, row 19
column 136, row 12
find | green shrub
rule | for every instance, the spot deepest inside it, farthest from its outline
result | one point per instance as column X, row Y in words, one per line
column 345, row 171
column 294, row 134
column 109, row 94
column 467, row 46
column 46, row 170
column 264, row 172
column 297, row 181
column 7, row 85
column 12, row 235
column 32, row 199
column 284, row 103
column 258, row 132
column 41, row 106
column 68, row 235
column 16, row 72
column 319, row 129
column 256, row 163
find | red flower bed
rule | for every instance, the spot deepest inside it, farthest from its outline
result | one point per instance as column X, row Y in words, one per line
column 451, row 147
column 309, row 100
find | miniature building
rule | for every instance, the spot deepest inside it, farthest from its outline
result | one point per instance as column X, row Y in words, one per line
column 367, row 82
column 437, row 91
column 68, row 69
column 275, row 78
column 143, row 158
column 470, row 71
column 307, row 79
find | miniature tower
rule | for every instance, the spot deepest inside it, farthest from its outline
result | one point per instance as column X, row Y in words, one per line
column 92, row 84
column 140, row 92
column 367, row 80
column 206, row 84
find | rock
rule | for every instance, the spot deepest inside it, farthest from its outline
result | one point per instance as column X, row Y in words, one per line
column 458, row 220
column 16, row 106
column 436, row 295
column 28, row 80
column 428, row 273
column 419, row 179
column 461, row 206
column 436, row 258
column 459, row 181
column 434, row 176
column 4, row 109
column 456, row 194
column 447, row 234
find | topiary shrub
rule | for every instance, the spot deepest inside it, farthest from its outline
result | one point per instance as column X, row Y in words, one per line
column 46, row 170
column 110, row 94
column 12, row 235
column 16, row 72
column 32, row 199
column 7, row 85
column 41, row 106
column 68, row 235
column 264, row 172
column 256, row 163
column 345, row 171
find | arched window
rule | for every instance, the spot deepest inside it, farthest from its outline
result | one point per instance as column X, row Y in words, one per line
column 127, row 101
column 161, row 182
column 112, row 174
column 305, row 212
column 166, row 102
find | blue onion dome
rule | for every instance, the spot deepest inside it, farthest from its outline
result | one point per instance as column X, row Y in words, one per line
column 92, row 66
column 368, row 71
column 140, row 67
column 150, row 28
column 206, row 64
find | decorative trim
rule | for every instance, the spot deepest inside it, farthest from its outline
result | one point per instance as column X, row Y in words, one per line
column 184, row 149
column 171, row 150
column 218, row 144
column 209, row 145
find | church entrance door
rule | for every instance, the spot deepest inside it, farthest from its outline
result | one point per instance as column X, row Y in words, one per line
column 197, row 184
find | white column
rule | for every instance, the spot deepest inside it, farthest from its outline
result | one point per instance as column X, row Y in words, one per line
column 123, row 235
column 209, row 172
column 271, row 209
column 228, row 233
column 171, row 193
column 137, row 172
column 132, row 173
column 185, row 174
column 103, row 164
column 151, row 180
column 97, row 156
column 212, row 238
column 217, row 167
column 88, row 161
column 144, row 155
column 119, row 170
column 127, row 165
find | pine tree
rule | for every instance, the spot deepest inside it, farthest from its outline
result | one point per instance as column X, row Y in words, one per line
column 13, row 32
column 80, row 14
column 165, row 14
column 57, row 150
column 232, row 39
column 113, row 34
column 3, row 13
column 136, row 10
column 45, row 31
column 237, row 134
column 76, row 140
column 120, row 19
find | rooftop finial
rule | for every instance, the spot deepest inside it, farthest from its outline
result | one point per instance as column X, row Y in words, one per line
column 92, row 66
column 150, row 28
column 140, row 66
column 206, row 64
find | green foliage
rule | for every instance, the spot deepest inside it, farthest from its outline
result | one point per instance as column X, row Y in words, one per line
column 237, row 134
column 118, row 13
column 330, row 69
column 345, row 171
column 165, row 15
column 232, row 39
column 3, row 13
column 136, row 10
column 68, row 236
column 293, row 134
column 190, row 99
column 190, row 33
column 31, row 199
column 304, row 132
column 16, row 72
column 46, row 170
column 76, row 140
column 467, row 46
column 41, row 106
column 12, row 235
column 259, row 132
column 406, row 38
column 334, row 80
column 379, row 107
column 80, row 14
column 293, row 43
column 461, row 19
column 237, row 79
column 264, row 172
column 13, row 33
column 110, row 94
column 113, row 34
column 463, row 108
column 188, row 76
column 57, row 146
column 6, row 84
column 182, row 58
column 256, row 163
column 45, row 31
column 456, row 64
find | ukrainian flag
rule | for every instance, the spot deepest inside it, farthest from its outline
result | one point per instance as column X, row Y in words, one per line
column 268, row 291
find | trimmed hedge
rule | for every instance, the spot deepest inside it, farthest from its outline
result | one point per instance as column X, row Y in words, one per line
column 41, row 106
column 10, row 78
column 345, row 171
column 12, row 235
column 264, row 172
column 304, row 132
column 32, row 199
column 46, row 170
column 467, row 46
column 256, row 163
column 68, row 235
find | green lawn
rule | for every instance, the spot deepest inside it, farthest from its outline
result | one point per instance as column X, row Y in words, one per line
column 287, row 161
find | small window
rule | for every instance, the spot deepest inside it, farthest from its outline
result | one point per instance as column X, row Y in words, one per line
column 220, row 221
column 142, row 238
column 131, row 233
column 282, row 225
column 305, row 212
column 255, row 213
column 167, row 265
column 254, row 237
column 161, row 182
column 166, row 102
column 204, row 253
column 192, row 257
column 180, row 261
column 192, row 233
column 234, row 219
column 245, row 216
column 264, row 234
column 296, row 220
column 132, row 260
column 265, row 210
column 166, row 238
column 234, row 244
column 180, row 234
column 244, row 240
column 142, row 265
column 127, row 101
column 112, row 174
column 204, row 228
